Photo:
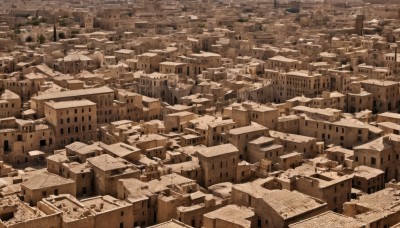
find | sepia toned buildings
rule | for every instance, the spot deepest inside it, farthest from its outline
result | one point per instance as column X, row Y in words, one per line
column 245, row 114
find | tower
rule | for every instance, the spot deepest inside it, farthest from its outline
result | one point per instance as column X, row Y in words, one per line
column 54, row 33
column 359, row 26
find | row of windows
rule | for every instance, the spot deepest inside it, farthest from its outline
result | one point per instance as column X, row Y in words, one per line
column 69, row 129
column 221, row 164
column 75, row 119
column 330, row 127
column 83, row 110
column 105, row 112
column 6, row 105
column 373, row 159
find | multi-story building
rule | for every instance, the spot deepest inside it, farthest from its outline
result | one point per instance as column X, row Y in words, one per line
column 303, row 144
column 72, row 120
column 368, row 179
column 331, row 187
column 344, row 132
column 19, row 137
column 297, row 83
column 10, row 104
column 376, row 209
column 107, row 170
column 43, row 185
column 25, row 86
column 219, row 164
column 74, row 64
column 385, row 94
column 153, row 85
column 275, row 207
column 241, row 136
column 381, row 153
column 264, row 148
column 102, row 96
column 283, row 63
column 357, row 102
column 149, row 62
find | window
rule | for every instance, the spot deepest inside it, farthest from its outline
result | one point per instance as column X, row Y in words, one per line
column 373, row 161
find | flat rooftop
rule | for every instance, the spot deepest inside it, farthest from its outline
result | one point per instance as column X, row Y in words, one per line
column 21, row 211
column 286, row 203
column 329, row 219
column 105, row 162
column 367, row 172
column 247, row 129
column 70, row 104
column 234, row 214
column 291, row 137
column 73, row 93
column 45, row 180
column 379, row 82
column 219, row 150
column 70, row 207
column 105, row 203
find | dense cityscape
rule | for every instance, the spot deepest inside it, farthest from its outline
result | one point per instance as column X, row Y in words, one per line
column 199, row 113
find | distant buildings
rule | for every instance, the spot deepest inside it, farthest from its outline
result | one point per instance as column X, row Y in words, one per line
column 145, row 113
